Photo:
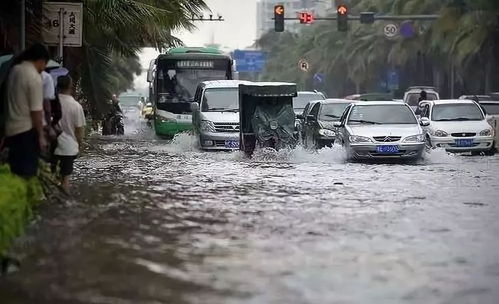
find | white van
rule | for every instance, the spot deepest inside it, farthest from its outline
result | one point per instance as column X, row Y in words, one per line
column 215, row 114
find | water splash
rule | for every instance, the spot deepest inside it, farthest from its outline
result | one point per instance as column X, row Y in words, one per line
column 438, row 156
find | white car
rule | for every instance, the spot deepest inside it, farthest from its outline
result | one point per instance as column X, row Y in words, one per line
column 456, row 125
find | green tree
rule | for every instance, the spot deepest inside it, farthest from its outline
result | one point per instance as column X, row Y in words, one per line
column 114, row 33
column 464, row 39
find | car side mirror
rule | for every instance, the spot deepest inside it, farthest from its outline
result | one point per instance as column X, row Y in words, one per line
column 300, row 116
column 424, row 122
column 337, row 124
column 310, row 118
column 194, row 107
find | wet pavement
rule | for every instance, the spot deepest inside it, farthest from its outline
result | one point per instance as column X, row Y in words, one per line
column 158, row 222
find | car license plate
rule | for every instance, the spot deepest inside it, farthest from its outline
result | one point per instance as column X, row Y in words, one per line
column 389, row 149
column 232, row 144
column 464, row 142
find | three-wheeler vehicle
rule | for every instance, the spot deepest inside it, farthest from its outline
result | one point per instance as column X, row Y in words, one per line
column 266, row 116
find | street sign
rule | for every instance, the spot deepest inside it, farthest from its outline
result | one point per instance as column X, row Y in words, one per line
column 318, row 77
column 407, row 29
column 391, row 30
column 392, row 80
column 303, row 65
column 71, row 23
column 249, row 60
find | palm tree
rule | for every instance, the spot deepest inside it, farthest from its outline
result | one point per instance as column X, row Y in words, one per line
column 119, row 28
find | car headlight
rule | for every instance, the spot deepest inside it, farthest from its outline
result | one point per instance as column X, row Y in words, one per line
column 326, row 132
column 207, row 126
column 440, row 133
column 486, row 132
column 414, row 138
column 359, row 139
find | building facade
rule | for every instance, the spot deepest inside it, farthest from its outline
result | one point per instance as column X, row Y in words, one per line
column 265, row 12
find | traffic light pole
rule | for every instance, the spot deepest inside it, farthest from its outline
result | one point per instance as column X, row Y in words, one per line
column 376, row 18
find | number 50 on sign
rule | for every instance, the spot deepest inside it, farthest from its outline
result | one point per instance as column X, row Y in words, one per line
column 391, row 30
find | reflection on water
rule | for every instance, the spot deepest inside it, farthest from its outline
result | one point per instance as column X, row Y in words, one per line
column 162, row 222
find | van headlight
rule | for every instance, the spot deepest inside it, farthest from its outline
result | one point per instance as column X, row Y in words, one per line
column 327, row 133
column 359, row 139
column 207, row 126
column 414, row 138
column 440, row 133
column 486, row 132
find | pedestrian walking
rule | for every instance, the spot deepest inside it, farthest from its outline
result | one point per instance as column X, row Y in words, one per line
column 72, row 124
column 24, row 123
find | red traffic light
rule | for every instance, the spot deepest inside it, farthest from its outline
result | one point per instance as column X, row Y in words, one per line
column 342, row 9
column 279, row 9
column 306, row 18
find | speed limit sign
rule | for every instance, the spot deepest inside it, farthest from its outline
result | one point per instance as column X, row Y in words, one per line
column 391, row 30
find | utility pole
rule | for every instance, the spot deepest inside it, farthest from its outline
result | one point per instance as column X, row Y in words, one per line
column 23, row 25
column 61, row 35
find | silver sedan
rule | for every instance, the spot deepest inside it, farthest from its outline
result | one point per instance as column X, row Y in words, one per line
column 380, row 130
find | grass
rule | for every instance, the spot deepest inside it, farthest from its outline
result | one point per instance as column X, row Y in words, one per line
column 17, row 199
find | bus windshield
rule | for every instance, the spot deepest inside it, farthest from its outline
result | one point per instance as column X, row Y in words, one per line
column 179, row 85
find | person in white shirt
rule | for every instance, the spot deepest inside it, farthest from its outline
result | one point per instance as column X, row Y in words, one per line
column 24, row 124
column 72, row 125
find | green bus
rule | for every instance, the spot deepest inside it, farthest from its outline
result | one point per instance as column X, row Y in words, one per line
column 174, row 77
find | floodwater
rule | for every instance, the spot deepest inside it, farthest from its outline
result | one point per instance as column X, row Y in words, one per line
column 158, row 222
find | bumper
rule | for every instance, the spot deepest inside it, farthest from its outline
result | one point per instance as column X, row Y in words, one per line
column 369, row 151
column 170, row 128
column 480, row 143
column 216, row 141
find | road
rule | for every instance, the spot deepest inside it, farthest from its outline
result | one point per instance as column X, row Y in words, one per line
column 157, row 222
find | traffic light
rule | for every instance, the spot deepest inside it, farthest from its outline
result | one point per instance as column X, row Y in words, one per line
column 306, row 18
column 342, row 17
column 279, row 18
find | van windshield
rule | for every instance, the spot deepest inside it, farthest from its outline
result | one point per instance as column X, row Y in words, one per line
column 220, row 100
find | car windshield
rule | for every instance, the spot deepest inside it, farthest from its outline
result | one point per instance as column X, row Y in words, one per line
column 491, row 109
column 300, row 101
column 413, row 98
column 456, row 112
column 332, row 111
column 224, row 99
column 381, row 114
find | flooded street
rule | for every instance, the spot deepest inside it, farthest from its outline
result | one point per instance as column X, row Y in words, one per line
column 159, row 222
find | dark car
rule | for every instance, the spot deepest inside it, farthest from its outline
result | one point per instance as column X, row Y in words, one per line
column 318, row 130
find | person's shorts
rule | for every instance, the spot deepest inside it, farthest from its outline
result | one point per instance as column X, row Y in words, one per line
column 65, row 164
column 23, row 153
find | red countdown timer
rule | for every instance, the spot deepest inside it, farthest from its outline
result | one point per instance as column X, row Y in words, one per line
column 306, row 18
